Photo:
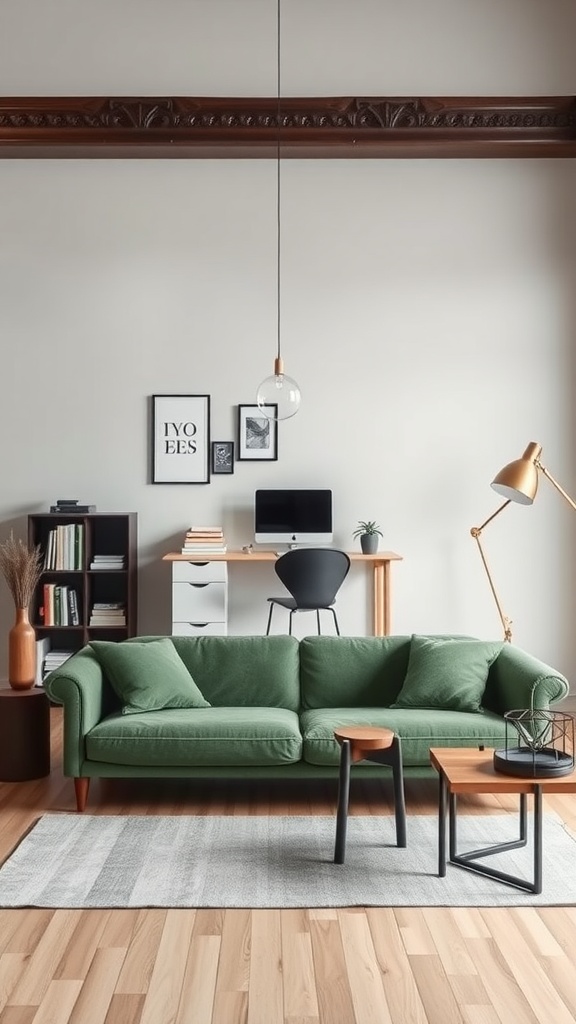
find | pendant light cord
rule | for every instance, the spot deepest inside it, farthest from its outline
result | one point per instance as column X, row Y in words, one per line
column 278, row 84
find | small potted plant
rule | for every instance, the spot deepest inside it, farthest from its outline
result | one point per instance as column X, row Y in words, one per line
column 369, row 532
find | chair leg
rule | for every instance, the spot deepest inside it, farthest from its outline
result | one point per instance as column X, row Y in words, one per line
column 290, row 624
column 318, row 620
column 270, row 618
column 335, row 622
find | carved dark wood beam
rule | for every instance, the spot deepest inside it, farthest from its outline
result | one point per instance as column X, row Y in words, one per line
column 374, row 126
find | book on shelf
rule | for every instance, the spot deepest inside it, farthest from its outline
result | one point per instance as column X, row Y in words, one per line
column 107, row 620
column 74, row 613
column 42, row 648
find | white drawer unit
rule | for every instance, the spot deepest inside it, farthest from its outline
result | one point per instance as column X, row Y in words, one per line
column 199, row 599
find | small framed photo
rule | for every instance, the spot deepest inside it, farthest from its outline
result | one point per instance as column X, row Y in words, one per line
column 180, row 439
column 257, row 434
column 222, row 457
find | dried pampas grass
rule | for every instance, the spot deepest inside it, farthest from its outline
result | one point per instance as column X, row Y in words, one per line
column 21, row 568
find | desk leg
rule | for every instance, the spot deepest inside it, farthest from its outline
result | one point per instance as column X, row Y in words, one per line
column 381, row 598
column 442, row 794
column 343, row 799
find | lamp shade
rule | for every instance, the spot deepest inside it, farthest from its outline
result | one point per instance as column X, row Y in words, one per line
column 518, row 481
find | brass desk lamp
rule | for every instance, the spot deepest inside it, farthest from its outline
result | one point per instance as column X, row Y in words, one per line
column 539, row 742
column 518, row 481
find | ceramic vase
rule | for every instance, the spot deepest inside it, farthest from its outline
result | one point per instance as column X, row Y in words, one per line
column 369, row 543
column 22, row 652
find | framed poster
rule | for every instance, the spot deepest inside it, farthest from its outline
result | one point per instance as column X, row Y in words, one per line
column 222, row 457
column 180, row 439
column 257, row 435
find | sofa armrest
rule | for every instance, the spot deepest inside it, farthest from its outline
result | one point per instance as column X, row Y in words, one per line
column 79, row 685
column 517, row 678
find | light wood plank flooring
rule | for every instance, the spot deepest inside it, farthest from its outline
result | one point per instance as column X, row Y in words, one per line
column 349, row 966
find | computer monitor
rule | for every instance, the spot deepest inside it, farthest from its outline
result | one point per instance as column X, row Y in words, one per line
column 292, row 516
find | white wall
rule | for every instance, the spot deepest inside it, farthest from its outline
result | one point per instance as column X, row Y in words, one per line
column 428, row 308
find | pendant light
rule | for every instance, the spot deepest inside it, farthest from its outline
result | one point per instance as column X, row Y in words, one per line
column 278, row 396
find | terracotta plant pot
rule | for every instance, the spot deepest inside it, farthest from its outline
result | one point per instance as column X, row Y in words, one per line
column 22, row 652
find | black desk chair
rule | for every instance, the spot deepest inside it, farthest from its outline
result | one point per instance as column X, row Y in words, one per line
column 313, row 576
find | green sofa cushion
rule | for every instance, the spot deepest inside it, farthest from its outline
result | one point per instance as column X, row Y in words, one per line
column 212, row 736
column 360, row 671
column 450, row 674
column 417, row 731
column 148, row 676
column 244, row 671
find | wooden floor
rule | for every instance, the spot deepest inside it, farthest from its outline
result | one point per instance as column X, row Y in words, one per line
column 349, row 966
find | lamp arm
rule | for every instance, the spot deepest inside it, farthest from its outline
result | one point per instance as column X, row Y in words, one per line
column 476, row 532
column 555, row 484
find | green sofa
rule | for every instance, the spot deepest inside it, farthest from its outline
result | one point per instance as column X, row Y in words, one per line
column 274, row 703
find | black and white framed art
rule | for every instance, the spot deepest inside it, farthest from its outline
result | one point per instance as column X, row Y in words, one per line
column 257, row 434
column 180, row 439
column 222, row 457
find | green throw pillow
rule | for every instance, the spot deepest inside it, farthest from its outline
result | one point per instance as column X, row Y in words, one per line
column 447, row 673
column 148, row 676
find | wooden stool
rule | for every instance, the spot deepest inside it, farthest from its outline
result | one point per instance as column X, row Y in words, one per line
column 368, row 743
column 24, row 734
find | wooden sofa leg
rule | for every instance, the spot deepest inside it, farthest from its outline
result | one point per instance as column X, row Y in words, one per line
column 81, row 787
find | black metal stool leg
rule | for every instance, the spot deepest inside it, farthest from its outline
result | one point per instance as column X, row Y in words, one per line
column 399, row 803
column 343, row 798
column 270, row 618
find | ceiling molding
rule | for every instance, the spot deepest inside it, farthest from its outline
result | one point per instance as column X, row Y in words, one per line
column 337, row 127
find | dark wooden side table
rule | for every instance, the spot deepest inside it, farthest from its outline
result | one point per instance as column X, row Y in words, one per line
column 24, row 734
column 368, row 743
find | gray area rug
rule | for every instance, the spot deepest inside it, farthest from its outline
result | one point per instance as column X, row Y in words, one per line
column 77, row 860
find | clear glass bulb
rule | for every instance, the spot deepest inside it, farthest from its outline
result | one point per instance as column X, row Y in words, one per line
column 278, row 397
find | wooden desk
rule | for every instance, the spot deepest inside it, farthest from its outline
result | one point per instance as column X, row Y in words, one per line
column 380, row 563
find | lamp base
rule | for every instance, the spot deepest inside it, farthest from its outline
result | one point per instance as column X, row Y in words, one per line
column 546, row 763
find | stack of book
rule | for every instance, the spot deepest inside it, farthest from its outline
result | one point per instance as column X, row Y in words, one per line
column 201, row 539
column 71, row 506
column 54, row 659
column 108, row 562
column 108, row 613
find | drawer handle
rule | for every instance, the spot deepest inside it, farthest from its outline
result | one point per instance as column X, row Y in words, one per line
column 201, row 565
column 199, row 625
column 199, row 585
